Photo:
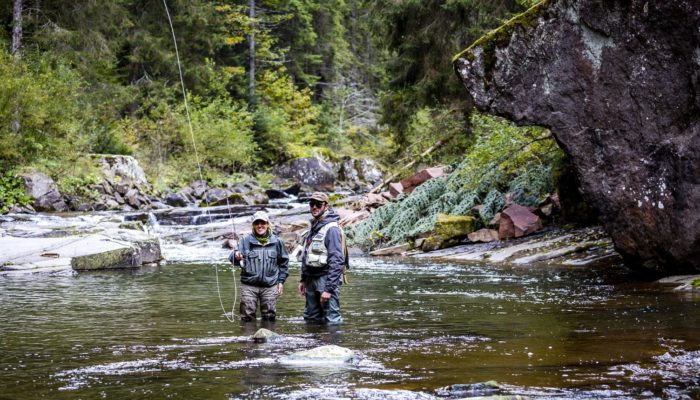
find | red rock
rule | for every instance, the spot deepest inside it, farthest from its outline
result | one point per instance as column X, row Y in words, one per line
column 395, row 188
column 517, row 221
column 420, row 177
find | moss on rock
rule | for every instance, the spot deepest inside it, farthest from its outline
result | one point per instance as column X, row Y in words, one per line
column 449, row 229
column 117, row 258
column 500, row 37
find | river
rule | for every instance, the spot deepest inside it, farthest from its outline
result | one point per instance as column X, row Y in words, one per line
column 418, row 327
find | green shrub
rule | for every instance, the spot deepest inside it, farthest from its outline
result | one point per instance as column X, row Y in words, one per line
column 12, row 192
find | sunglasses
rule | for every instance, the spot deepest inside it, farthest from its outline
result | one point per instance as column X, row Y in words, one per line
column 316, row 204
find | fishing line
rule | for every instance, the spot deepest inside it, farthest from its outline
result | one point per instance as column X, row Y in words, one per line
column 199, row 170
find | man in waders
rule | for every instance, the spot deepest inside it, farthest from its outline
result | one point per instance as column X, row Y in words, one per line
column 322, row 262
column 264, row 268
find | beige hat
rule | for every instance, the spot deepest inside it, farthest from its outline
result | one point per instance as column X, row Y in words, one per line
column 320, row 196
column 261, row 216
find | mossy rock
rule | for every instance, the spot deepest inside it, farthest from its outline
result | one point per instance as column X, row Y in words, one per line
column 117, row 258
column 263, row 335
column 448, row 231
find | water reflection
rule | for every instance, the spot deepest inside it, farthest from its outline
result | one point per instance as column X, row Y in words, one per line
column 419, row 328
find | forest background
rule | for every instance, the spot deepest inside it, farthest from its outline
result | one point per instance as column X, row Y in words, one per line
column 267, row 81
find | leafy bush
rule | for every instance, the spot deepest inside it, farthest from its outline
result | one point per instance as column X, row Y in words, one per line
column 223, row 131
column 12, row 192
column 286, row 118
column 40, row 114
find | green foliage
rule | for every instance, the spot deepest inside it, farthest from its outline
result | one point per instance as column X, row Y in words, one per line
column 503, row 159
column 12, row 192
column 40, row 110
column 285, row 118
column 101, row 77
column 74, row 178
column 430, row 125
column 79, row 186
column 423, row 36
column 528, row 3
column 224, row 134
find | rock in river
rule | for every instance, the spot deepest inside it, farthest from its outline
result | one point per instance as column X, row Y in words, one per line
column 323, row 355
column 263, row 335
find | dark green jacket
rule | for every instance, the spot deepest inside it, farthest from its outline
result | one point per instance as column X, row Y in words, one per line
column 264, row 265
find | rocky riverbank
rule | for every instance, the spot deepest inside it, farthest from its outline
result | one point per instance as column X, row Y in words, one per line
column 52, row 244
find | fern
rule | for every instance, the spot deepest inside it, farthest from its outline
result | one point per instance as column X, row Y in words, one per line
column 504, row 158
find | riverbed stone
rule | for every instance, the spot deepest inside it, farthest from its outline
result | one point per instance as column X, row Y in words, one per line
column 682, row 283
column 420, row 177
column 111, row 248
column 263, row 335
column 483, row 235
column 471, row 390
column 391, row 251
column 122, row 168
column 177, row 199
column 323, row 355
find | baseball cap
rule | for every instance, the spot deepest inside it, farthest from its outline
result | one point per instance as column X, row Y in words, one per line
column 261, row 216
column 319, row 196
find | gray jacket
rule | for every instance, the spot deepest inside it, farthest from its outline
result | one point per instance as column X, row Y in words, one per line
column 263, row 265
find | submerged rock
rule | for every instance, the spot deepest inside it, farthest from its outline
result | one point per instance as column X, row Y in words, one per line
column 263, row 335
column 471, row 389
column 330, row 354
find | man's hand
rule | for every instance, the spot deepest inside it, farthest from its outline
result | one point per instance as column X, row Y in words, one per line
column 302, row 289
column 237, row 256
column 325, row 296
column 280, row 289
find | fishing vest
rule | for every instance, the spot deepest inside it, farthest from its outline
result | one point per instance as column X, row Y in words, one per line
column 316, row 252
column 260, row 266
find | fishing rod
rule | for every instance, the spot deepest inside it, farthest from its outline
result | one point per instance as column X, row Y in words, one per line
column 199, row 170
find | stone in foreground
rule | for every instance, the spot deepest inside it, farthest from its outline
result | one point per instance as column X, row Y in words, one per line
column 263, row 335
column 323, row 355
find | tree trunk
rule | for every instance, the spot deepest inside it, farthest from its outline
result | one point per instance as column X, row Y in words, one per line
column 14, row 51
column 251, row 50
column 16, row 28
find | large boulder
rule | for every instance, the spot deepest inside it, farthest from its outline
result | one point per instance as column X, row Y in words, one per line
column 360, row 172
column 310, row 171
column 119, row 168
column 618, row 84
column 44, row 192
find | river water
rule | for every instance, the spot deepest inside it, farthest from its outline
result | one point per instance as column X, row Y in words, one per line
column 418, row 327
